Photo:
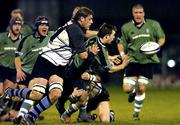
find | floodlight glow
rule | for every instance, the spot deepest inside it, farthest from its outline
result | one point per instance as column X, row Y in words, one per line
column 171, row 63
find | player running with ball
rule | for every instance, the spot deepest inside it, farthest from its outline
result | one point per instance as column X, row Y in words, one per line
column 140, row 69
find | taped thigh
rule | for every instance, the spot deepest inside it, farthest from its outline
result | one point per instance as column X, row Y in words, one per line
column 39, row 88
column 143, row 80
column 130, row 81
column 55, row 85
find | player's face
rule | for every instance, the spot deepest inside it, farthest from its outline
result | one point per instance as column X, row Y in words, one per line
column 16, row 28
column 138, row 15
column 111, row 37
column 43, row 29
column 86, row 22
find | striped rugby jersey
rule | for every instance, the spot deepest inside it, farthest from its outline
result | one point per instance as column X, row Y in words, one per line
column 66, row 42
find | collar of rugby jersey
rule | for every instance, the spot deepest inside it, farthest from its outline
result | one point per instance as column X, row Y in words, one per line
column 100, row 42
column 40, row 38
column 137, row 24
column 19, row 37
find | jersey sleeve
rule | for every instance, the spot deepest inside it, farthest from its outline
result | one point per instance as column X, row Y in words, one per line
column 123, row 39
column 159, row 31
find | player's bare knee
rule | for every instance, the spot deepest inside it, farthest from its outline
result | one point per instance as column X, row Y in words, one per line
column 55, row 90
column 104, row 119
column 104, row 113
column 141, row 89
column 128, row 84
column 142, row 83
column 38, row 91
column 55, row 94
column 127, row 88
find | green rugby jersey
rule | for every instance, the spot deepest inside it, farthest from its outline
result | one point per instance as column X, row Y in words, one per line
column 29, row 49
column 102, row 56
column 8, row 48
column 27, row 29
column 133, row 37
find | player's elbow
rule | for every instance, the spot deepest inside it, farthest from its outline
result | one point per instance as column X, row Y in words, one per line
column 161, row 41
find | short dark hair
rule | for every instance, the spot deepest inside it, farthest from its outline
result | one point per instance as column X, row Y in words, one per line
column 83, row 12
column 17, row 11
column 106, row 29
column 137, row 6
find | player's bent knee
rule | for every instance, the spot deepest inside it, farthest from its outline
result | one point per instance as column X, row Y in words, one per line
column 142, row 83
column 54, row 95
column 34, row 95
column 37, row 91
column 104, row 119
column 128, row 84
column 104, row 114
column 141, row 89
column 55, row 90
column 143, row 80
column 127, row 88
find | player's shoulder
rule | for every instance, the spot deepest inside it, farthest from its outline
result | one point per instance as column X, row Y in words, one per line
column 152, row 22
column 31, row 36
column 50, row 33
column 3, row 34
column 91, row 41
column 27, row 39
column 75, row 28
column 73, row 25
column 127, row 25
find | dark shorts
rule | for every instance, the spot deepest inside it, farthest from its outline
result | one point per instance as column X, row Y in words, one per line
column 44, row 69
column 7, row 73
column 93, row 103
column 135, row 69
column 72, row 72
column 27, row 80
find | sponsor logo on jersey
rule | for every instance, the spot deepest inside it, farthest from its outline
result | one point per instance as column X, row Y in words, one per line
column 37, row 49
column 140, row 35
column 9, row 48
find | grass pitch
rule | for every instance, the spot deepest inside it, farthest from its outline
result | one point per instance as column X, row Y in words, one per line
column 161, row 107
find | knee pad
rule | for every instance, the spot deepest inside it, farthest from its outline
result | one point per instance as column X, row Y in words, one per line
column 130, row 81
column 39, row 88
column 56, row 85
column 143, row 80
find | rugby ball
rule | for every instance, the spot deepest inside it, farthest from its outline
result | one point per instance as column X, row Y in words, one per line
column 150, row 48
